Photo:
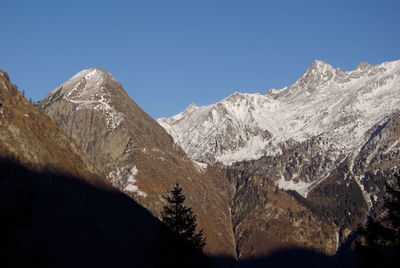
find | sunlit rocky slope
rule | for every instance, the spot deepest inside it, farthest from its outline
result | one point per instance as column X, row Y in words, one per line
column 137, row 155
column 141, row 159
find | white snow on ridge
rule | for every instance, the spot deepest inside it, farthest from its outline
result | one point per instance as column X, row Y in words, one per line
column 325, row 102
column 87, row 90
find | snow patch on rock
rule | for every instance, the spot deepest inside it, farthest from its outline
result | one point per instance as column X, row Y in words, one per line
column 303, row 188
column 125, row 177
column 4, row 85
column 201, row 167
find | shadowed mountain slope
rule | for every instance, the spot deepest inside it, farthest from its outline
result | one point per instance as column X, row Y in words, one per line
column 56, row 209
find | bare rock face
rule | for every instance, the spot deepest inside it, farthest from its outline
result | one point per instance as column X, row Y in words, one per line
column 137, row 155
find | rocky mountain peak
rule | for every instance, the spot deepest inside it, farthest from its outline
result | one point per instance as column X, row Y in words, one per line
column 320, row 65
column 94, row 72
column 318, row 68
column 319, row 73
column 136, row 154
column 91, row 89
column 87, row 85
column 86, row 82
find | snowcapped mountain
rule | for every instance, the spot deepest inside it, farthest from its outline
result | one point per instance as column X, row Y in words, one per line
column 333, row 137
column 88, row 90
column 325, row 102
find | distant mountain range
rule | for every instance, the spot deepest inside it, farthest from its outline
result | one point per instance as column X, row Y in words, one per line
column 336, row 111
column 325, row 102
column 332, row 137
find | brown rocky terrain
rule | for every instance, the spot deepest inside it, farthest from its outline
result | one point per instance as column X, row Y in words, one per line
column 240, row 207
column 56, row 209
column 32, row 139
column 333, row 197
column 137, row 155
column 243, row 214
column 267, row 219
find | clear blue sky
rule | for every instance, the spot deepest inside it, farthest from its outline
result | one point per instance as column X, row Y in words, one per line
column 168, row 53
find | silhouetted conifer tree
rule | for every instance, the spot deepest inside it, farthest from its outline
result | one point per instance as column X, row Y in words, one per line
column 180, row 245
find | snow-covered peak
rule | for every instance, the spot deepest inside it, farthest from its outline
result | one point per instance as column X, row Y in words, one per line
column 324, row 101
column 86, row 82
column 317, row 74
column 321, row 66
column 317, row 70
column 91, row 72
column 90, row 89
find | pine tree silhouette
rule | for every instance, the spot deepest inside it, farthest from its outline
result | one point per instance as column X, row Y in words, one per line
column 180, row 245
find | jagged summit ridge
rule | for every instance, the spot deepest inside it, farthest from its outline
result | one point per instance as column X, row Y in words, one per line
column 318, row 74
column 325, row 101
column 320, row 67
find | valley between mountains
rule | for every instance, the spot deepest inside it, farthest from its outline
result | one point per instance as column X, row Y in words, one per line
column 292, row 168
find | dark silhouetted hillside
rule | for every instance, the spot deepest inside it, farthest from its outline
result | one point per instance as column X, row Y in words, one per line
column 54, row 220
